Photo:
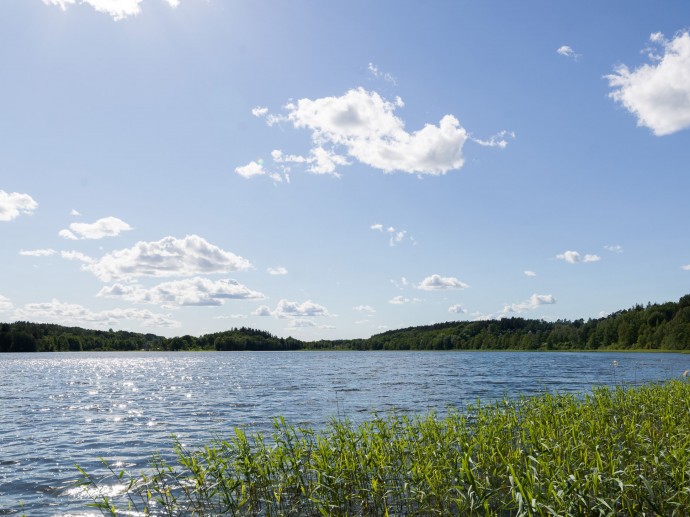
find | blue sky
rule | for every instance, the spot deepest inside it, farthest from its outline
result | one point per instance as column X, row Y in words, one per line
column 336, row 169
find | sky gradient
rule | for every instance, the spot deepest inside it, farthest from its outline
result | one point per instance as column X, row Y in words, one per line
column 337, row 169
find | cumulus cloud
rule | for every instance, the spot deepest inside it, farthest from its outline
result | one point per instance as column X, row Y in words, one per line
column 567, row 51
column 77, row 315
column 12, row 204
column 280, row 270
column 440, row 283
column 534, row 302
column 457, row 309
column 287, row 309
column 192, row 291
column 368, row 309
column 5, row 304
column 364, row 124
column 259, row 111
column 529, row 273
column 117, row 9
column 574, row 257
column 105, row 227
column 189, row 256
column 657, row 93
column 38, row 253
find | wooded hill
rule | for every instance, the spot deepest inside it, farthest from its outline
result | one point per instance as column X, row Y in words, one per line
column 663, row 326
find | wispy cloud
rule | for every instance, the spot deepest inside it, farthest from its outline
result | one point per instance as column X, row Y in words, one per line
column 614, row 248
column 529, row 273
column 457, row 309
column 280, row 270
column 376, row 72
column 38, row 253
column 395, row 236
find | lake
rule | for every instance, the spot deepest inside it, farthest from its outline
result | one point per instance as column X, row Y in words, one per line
column 58, row 410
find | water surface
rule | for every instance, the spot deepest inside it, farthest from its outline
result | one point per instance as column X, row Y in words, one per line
column 58, row 410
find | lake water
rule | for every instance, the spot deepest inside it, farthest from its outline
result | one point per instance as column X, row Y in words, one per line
column 58, row 410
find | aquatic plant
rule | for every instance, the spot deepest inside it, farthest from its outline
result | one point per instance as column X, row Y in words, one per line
column 616, row 451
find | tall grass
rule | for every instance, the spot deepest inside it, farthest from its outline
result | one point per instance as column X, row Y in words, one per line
column 616, row 451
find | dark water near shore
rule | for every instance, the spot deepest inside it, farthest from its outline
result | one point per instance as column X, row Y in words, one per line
column 58, row 410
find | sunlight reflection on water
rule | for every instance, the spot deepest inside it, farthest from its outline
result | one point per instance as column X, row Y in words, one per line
column 58, row 410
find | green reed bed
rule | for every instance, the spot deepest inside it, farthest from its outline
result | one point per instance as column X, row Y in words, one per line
column 620, row 451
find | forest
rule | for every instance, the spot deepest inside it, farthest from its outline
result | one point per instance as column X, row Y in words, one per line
column 664, row 326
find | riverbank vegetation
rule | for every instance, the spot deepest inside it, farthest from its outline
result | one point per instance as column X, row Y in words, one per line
column 616, row 451
column 664, row 326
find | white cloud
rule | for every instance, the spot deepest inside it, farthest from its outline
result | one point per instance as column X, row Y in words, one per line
column 5, row 304
column 574, row 257
column 658, row 94
column 251, row 170
column 534, row 302
column 189, row 256
column 76, row 255
column 374, row 70
column 368, row 309
column 105, row 227
column 395, row 236
column 13, row 203
column 38, row 253
column 365, row 125
column 192, row 291
column 280, row 270
column 567, row 51
column 529, row 273
column 457, row 309
column 287, row 309
column 401, row 300
column 77, row 315
column 500, row 139
column 300, row 323
column 256, row 168
column 259, row 111
column 74, row 213
column 118, row 9
column 686, row 267
column 615, row 248
column 438, row 283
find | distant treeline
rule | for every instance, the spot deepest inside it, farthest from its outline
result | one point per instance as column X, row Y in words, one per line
column 654, row 327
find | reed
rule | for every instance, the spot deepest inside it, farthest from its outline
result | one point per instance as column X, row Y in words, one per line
column 616, row 451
